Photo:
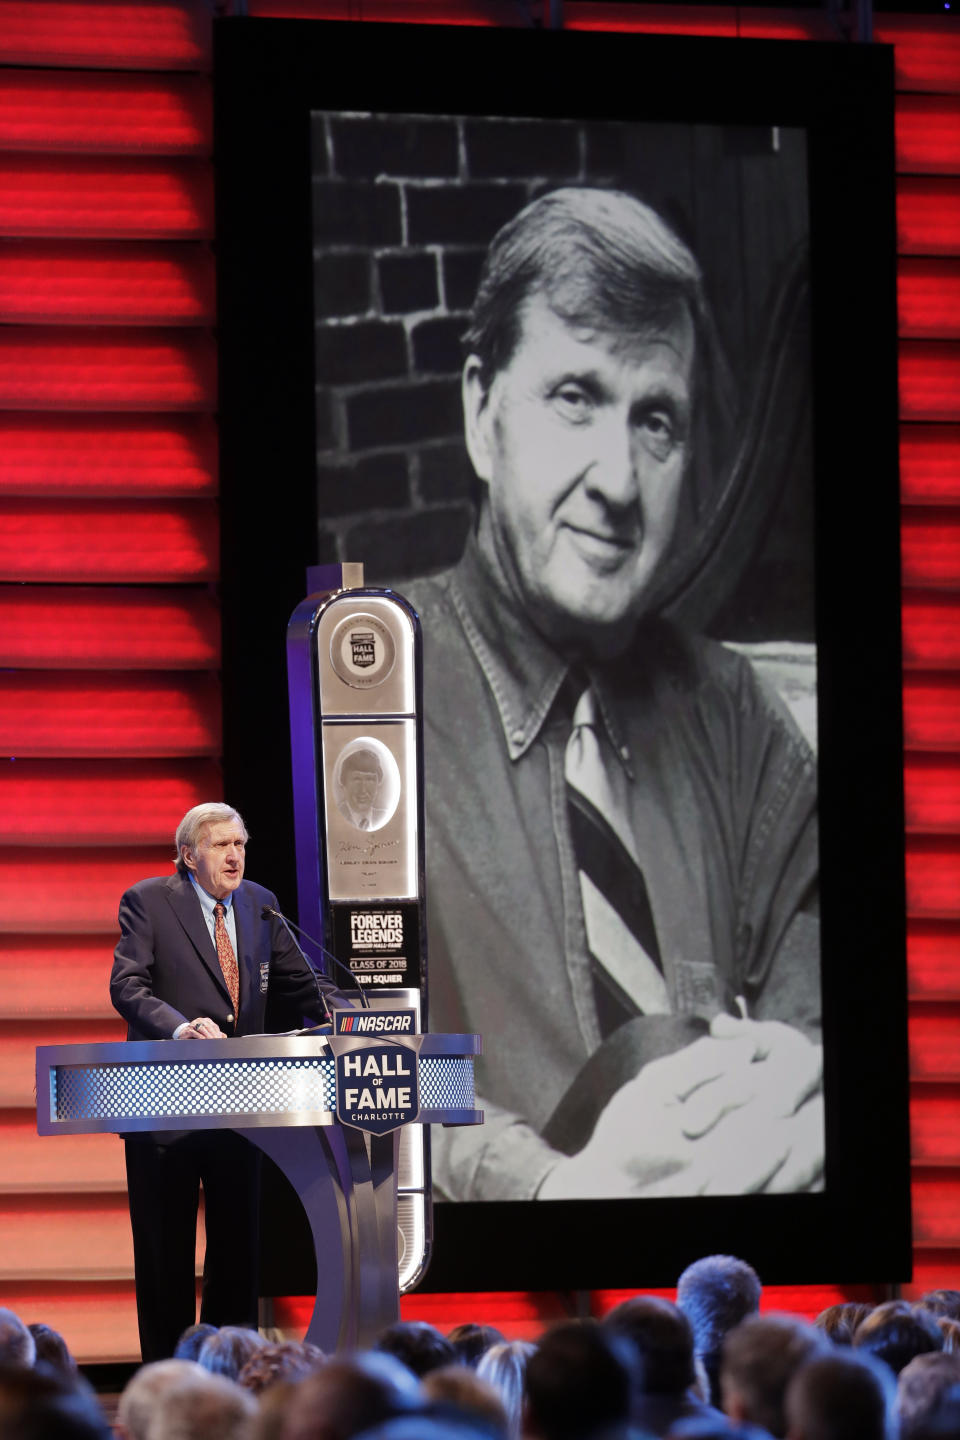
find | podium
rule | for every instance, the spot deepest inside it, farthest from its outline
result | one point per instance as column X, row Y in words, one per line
column 280, row 1092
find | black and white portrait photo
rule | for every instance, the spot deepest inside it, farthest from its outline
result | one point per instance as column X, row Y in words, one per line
column 585, row 346
column 579, row 353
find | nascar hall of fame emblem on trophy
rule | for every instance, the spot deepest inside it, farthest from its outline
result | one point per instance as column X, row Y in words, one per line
column 362, row 651
column 377, row 1084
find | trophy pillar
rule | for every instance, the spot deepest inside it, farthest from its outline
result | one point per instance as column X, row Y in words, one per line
column 354, row 664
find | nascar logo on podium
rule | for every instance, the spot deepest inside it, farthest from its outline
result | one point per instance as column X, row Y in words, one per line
column 374, row 1022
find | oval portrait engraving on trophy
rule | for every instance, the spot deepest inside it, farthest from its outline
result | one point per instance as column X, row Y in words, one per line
column 362, row 651
column 366, row 784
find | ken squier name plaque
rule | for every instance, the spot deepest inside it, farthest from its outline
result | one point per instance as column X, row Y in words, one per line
column 380, row 943
column 371, row 812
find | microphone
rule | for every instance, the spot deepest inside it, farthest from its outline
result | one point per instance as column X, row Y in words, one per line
column 289, row 926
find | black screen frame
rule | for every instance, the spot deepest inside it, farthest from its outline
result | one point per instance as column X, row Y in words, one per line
column 269, row 76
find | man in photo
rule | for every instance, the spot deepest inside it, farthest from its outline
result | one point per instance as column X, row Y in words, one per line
column 621, row 818
column 360, row 777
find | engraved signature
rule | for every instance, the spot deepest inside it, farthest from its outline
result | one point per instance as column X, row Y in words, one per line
column 375, row 847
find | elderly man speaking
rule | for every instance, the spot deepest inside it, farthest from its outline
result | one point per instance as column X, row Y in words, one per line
column 621, row 818
column 197, row 959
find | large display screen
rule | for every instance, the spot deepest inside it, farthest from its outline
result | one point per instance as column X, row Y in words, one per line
column 559, row 335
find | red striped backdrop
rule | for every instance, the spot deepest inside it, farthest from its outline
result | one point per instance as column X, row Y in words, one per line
column 109, row 626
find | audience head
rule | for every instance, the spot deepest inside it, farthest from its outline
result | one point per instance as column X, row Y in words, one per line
column 471, row 1342
column 950, row 1330
column 920, row 1386
column 713, row 1426
column 52, row 1349
column 579, row 1382
column 191, row 1341
column 350, row 1394
column 145, row 1391
column 897, row 1331
column 228, row 1350
column 45, row 1405
column 942, row 1302
column 504, row 1366
column 460, row 1390
column 842, row 1394
column 273, row 1405
column 715, row 1294
column 943, row 1422
column 16, row 1343
column 284, row 1360
column 431, row 1425
column 758, row 1361
column 663, row 1339
column 204, row 1407
column 839, row 1322
column 419, row 1346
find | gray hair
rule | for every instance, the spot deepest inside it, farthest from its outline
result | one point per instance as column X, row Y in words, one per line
column 196, row 821
column 504, row 1366
column 601, row 258
column 203, row 1407
column 145, row 1391
column 17, row 1346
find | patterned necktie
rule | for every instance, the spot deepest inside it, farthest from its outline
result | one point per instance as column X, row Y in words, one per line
column 228, row 960
column 621, row 935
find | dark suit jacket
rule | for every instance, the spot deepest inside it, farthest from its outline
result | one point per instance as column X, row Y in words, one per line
column 165, row 967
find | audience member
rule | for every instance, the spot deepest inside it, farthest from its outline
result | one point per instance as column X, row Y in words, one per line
column 44, row 1405
column 191, row 1341
column 663, row 1339
column 51, row 1350
column 579, row 1383
column 430, row 1425
column 942, row 1302
column 228, row 1350
column 759, row 1359
column 920, row 1385
column 421, row 1347
column 350, row 1394
column 715, row 1294
column 843, row 1394
column 204, row 1407
column 459, row 1389
column 504, row 1367
column 146, row 1390
column 943, row 1423
column 283, row 1360
column 16, row 1343
column 714, row 1425
column 472, row 1342
column 950, row 1330
column 273, row 1405
column 839, row 1322
column 896, row 1331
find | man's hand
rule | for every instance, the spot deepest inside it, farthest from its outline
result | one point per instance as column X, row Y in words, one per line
column 737, row 1111
column 202, row 1029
